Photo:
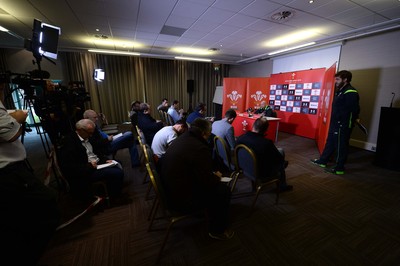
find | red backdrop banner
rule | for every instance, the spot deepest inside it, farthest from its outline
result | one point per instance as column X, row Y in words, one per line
column 325, row 103
column 234, row 94
column 297, row 95
column 257, row 91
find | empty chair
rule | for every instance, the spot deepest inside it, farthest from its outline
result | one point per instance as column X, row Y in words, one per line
column 246, row 164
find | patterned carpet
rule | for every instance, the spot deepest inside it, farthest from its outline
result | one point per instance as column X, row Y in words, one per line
column 326, row 220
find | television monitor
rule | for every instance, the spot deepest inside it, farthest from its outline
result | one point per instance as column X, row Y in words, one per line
column 45, row 39
column 99, row 74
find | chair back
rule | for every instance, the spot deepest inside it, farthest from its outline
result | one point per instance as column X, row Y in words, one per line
column 246, row 161
column 157, row 185
column 149, row 155
column 141, row 138
column 162, row 116
column 222, row 150
column 168, row 119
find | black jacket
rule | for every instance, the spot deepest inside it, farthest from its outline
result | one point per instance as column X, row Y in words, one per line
column 73, row 159
column 269, row 159
column 149, row 126
column 345, row 107
column 186, row 170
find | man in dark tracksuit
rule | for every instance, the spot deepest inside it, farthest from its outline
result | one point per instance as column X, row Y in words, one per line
column 345, row 111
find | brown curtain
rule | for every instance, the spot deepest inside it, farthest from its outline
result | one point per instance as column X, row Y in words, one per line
column 145, row 79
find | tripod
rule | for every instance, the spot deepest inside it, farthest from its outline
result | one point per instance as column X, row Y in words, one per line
column 28, row 104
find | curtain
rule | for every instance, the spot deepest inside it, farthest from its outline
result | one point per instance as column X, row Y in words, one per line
column 128, row 79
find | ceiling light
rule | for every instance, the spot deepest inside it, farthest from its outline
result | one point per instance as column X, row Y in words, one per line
column 311, row 1
column 194, row 51
column 193, row 59
column 3, row 29
column 292, row 48
column 292, row 38
column 112, row 52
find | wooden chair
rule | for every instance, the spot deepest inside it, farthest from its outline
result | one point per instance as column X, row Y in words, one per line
column 246, row 164
column 161, row 201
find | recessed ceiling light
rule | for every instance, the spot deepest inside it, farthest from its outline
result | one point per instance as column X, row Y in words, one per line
column 193, row 59
column 194, row 51
column 112, row 52
column 97, row 30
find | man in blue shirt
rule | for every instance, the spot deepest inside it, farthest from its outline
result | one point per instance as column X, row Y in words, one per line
column 224, row 129
column 199, row 112
column 110, row 145
column 175, row 112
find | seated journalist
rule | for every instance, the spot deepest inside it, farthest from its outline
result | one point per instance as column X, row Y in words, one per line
column 110, row 145
column 79, row 159
column 147, row 123
column 188, row 179
column 270, row 160
column 165, row 136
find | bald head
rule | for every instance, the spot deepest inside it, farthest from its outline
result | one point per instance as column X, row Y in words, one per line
column 90, row 114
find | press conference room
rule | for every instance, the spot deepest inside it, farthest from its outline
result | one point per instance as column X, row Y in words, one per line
column 135, row 71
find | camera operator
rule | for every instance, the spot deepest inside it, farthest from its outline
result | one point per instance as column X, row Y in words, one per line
column 29, row 208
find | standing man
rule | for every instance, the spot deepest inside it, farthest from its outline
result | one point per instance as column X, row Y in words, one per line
column 345, row 111
column 175, row 112
column 190, row 185
column 224, row 129
column 29, row 209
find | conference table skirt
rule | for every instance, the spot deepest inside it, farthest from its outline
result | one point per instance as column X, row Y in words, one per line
column 244, row 123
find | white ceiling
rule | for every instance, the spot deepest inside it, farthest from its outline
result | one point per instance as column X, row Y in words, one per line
column 240, row 29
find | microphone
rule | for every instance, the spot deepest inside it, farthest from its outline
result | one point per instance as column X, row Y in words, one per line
column 391, row 102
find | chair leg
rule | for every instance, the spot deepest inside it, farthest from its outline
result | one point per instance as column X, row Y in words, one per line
column 255, row 198
column 172, row 222
column 235, row 176
column 105, row 190
column 152, row 208
column 153, row 213
column 149, row 187
column 145, row 178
